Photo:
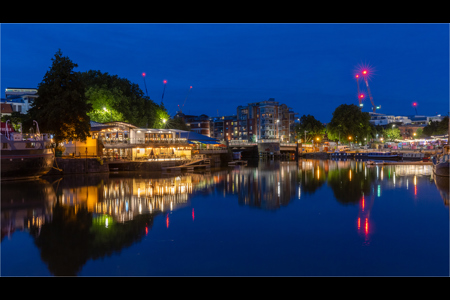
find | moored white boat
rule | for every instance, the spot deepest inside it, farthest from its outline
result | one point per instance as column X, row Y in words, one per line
column 23, row 158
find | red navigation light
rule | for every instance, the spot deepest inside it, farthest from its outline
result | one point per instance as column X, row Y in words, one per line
column 165, row 81
column 143, row 74
column 414, row 103
column 364, row 72
column 361, row 96
column 357, row 75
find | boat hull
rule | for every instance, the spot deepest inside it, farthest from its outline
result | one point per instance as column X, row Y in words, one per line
column 24, row 164
column 441, row 169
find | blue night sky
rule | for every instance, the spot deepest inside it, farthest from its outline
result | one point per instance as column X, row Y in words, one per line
column 309, row 67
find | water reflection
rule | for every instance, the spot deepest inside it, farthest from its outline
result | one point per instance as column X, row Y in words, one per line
column 78, row 218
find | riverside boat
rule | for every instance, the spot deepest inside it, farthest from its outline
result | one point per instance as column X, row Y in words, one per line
column 383, row 156
column 341, row 154
column 25, row 157
column 441, row 166
column 413, row 156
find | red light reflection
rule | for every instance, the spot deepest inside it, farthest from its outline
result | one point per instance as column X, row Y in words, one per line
column 167, row 220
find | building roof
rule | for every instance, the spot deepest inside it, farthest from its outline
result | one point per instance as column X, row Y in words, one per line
column 194, row 137
column 6, row 108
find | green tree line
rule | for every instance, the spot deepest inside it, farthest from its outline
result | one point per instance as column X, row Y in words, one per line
column 69, row 100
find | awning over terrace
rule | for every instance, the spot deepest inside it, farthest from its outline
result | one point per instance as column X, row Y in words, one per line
column 196, row 138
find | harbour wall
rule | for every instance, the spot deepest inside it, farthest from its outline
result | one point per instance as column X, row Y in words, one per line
column 64, row 166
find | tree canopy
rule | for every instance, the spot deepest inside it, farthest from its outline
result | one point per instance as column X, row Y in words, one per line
column 61, row 108
column 349, row 123
column 436, row 127
column 117, row 99
column 313, row 128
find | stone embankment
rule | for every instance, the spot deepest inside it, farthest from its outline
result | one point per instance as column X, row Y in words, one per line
column 65, row 166
column 62, row 166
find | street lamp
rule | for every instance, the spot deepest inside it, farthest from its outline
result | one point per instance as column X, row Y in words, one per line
column 278, row 130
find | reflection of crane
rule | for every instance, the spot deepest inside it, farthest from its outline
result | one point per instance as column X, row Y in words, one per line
column 363, row 216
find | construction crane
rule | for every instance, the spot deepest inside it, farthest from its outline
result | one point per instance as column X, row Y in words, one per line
column 190, row 88
column 365, row 74
column 162, row 97
column 360, row 96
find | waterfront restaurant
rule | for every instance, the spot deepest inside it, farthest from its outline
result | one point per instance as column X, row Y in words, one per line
column 121, row 140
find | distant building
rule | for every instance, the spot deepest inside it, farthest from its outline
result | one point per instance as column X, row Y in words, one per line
column 425, row 119
column 384, row 120
column 265, row 120
column 6, row 109
column 199, row 124
column 409, row 131
column 20, row 99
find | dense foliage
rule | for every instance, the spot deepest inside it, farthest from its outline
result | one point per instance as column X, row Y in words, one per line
column 436, row 128
column 117, row 99
column 61, row 108
column 313, row 128
column 349, row 123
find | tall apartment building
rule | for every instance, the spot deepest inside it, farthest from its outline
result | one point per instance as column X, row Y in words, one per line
column 253, row 122
column 265, row 120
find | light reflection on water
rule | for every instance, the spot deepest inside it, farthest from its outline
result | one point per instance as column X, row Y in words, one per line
column 317, row 214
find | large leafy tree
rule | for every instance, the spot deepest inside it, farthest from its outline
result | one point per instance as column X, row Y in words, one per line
column 314, row 128
column 392, row 134
column 436, row 128
column 349, row 121
column 61, row 108
column 117, row 99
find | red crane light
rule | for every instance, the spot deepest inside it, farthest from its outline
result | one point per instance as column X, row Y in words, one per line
column 143, row 74
column 414, row 103
column 361, row 96
column 165, row 81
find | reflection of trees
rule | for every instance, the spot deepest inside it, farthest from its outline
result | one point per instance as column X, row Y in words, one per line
column 71, row 238
column 117, row 236
column 312, row 176
column 64, row 242
column 348, row 184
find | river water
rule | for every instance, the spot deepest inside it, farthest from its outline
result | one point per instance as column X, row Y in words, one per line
column 274, row 218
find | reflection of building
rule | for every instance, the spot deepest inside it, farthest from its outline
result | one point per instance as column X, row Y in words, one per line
column 29, row 205
column 265, row 187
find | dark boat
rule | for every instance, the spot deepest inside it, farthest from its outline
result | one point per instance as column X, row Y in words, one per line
column 25, row 158
column 441, row 166
column 413, row 156
column 383, row 156
column 342, row 154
